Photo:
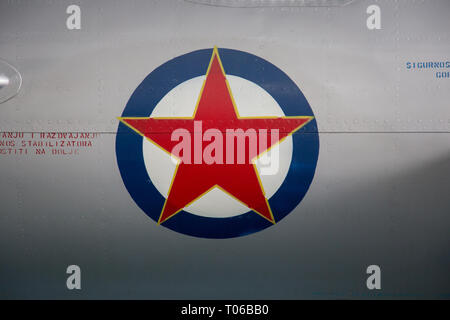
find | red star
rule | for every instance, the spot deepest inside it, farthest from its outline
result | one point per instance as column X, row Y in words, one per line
column 215, row 109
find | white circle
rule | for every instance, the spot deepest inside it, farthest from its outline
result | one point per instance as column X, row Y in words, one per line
column 251, row 100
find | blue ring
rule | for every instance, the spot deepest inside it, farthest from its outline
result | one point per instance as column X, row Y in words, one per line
column 158, row 83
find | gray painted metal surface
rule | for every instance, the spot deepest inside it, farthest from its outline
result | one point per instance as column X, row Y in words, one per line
column 380, row 194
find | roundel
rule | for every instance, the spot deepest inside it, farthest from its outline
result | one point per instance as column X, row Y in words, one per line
column 217, row 143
